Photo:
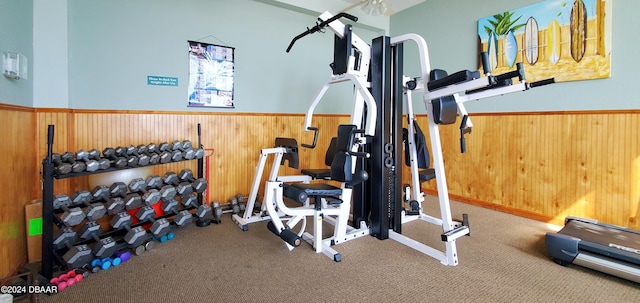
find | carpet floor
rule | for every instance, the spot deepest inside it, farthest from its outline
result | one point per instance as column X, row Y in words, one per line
column 504, row 260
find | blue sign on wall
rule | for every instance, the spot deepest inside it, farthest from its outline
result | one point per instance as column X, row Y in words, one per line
column 162, row 80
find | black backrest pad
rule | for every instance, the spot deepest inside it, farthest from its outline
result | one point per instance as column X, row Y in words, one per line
column 345, row 137
column 341, row 167
column 342, row 50
column 422, row 151
column 292, row 151
column 331, row 151
column 445, row 109
column 341, row 164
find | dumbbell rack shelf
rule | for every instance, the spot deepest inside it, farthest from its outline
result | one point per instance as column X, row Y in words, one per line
column 49, row 175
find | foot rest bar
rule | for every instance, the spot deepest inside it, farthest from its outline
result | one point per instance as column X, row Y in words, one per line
column 455, row 233
column 462, row 230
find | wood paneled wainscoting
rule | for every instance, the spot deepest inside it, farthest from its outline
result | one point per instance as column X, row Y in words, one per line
column 18, row 183
column 236, row 140
column 548, row 165
column 543, row 166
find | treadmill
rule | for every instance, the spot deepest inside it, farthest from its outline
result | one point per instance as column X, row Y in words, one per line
column 611, row 249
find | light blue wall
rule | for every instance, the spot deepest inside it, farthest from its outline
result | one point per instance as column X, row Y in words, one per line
column 50, row 36
column 114, row 45
column 450, row 29
column 16, row 35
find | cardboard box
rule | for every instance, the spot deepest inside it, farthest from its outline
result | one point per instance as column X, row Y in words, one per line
column 33, row 219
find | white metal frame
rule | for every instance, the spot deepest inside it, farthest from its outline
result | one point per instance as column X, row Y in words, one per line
column 249, row 216
column 451, row 230
column 338, row 215
column 273, row 207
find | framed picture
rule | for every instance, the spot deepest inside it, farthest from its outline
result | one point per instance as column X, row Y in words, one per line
column 567, row 40
column 211, row 72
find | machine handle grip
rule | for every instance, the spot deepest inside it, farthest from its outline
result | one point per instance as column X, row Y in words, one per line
column 486, row 65
column 199, row 135
column 519, row 72
column 359, row 154
column 315, row 138
column 320, row 26
column 464, row 130
column 542, row 82
column 50, row 131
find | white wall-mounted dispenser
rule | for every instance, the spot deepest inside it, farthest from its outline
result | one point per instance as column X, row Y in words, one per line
column 14, row 66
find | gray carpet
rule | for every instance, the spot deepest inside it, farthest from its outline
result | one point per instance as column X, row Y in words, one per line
column 504, row 260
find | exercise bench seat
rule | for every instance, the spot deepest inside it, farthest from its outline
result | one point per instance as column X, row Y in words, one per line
column 340, row 171
column 300, row 192
column 324, row 173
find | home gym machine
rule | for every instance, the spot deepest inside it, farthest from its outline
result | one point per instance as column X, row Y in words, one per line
column 611, row 249
column 378, row 201
column 330, row 203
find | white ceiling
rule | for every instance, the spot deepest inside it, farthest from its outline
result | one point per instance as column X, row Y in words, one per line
column 393, row 6
column 348, row 6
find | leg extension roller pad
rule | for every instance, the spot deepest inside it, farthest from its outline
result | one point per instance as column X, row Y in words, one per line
column 286, row 235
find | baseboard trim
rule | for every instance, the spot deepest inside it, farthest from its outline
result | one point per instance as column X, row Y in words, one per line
column 502, row 208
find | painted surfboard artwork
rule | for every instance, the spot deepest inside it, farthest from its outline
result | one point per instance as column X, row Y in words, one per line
column 510, row 49
column 578, row 30
column 530, row 38
column 553, row 42
column 492, row 50
column 568, row 40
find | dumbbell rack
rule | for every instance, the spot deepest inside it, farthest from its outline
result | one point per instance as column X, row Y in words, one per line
column 49, row 175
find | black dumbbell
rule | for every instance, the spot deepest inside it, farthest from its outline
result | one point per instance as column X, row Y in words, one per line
column 132, row 201
column 153, row 148
column 136, row 237
column 165, row 157
column 182, row 218
column 203, row 212
column 118, row 189
column 103, row 163
column 149, row 196
column 117, row 193
column 115, row 205
column 217, row 210
column 76, row 166
column 184, row 189
column 152, row 151
column 199, row 153
column 116, row 160
column 94, row 211
column 61, row 167
column 71, row 216
column 170, row 178
column 100, row 193
column 156, row 182
column 140, row 153
column 166, row 191
column 175, row 149
column 159, row 228
column 176, row 145
column 164, row 146
column 104, row 247
column 199, row 185
column 186, row 147
column 132, row 160
column 83, row 155
column 164, row 150
column 76, row 256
